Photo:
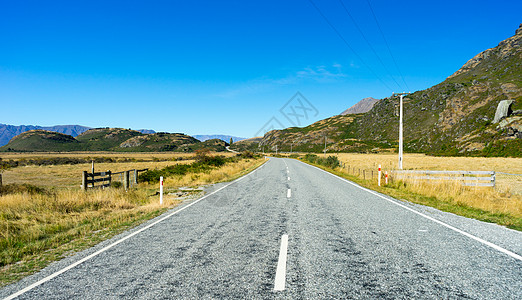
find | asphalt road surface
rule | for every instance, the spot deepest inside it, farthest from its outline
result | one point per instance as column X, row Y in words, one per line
column 292, row 231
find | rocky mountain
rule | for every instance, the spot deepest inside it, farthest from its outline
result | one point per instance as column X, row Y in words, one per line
column 455, row 117
column 109, row 139
column 365, row 105
column 225, row 138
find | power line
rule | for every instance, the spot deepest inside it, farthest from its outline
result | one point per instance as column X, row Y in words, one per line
column 368, row 42
column 348, row 45
column 387, row 45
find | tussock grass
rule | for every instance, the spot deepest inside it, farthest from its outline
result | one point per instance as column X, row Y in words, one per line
column 42, row 224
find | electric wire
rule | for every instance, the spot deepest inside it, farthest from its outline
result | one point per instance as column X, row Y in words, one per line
column 348, row 45
column 368, row 42
column 387, row 45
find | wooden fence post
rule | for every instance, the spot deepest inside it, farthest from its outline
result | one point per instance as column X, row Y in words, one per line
column 126, row 180
column 84, row 180
column 135, row 176
column 0, row 179
column 109, row 173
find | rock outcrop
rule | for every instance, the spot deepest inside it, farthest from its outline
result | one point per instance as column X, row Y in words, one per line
column 503, row 110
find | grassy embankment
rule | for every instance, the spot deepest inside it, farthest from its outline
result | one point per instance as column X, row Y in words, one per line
column 501, row 205
column 48, row 221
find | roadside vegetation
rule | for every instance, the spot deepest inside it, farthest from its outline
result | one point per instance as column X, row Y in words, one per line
column 501, row 205
column 43, row 223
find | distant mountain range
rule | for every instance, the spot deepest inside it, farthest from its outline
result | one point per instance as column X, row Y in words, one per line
column 363, row 106
column 108, row 139
column 7, row 132
column 222, row 137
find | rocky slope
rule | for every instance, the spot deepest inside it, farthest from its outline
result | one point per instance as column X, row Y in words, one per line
column 363, row 106
column 454, row 117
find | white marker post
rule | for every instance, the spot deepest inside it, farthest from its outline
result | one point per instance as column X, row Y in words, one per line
column 161, row 190
column 386, row 177
column 379, row 176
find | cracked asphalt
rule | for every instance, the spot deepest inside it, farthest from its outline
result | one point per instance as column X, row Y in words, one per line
column 343, row 242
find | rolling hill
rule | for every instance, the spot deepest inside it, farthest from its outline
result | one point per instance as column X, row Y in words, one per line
column 109, row 139
column 7, row 132
column 225, row 138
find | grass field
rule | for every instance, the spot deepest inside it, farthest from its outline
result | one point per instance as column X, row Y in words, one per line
column 52, row 217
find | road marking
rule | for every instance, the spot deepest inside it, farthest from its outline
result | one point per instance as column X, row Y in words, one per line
column 280, row 278
column 489, row 244
column 289, row 193
column 57, row 273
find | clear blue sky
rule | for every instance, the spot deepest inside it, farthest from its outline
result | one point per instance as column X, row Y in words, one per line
column 204, row 67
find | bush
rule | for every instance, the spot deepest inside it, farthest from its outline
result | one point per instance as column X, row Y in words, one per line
column 203, row 163
column 311, row 158
column 329, row 162
column 116, row 184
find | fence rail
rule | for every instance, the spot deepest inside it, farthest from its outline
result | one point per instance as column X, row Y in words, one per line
column 468, row 178
column 89, row 180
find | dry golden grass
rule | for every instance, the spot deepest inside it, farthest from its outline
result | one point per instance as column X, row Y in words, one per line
column 40, row 226
column 498, row 200
column 69, row 176
column 425, row 162
column 135, row 155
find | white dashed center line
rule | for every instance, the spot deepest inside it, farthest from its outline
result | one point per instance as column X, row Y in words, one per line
column 280, row 279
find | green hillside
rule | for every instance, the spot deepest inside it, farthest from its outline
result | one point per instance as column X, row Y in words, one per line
column 109, row 139
column 104, row 139
column 454, row 117
column 42, row 139
column 157, row 142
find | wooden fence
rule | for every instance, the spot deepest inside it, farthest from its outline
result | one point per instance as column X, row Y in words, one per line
column 468, row 178
column 104, row 179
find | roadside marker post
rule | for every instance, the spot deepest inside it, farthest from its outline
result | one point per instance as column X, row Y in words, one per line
column 379, row 176
column 386, row 177
column 161, row 190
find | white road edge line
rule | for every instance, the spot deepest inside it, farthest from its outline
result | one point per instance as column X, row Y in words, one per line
column 289, row 193
column 280, row 278
column 57, row 273
column 489, row 244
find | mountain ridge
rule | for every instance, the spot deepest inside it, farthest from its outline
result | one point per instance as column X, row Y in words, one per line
column 454, row 117
column 7, row 132
column 363, row 106
column 108, row 139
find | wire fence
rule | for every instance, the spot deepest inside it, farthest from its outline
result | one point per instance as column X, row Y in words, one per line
column 509, row 183
column 504, row 182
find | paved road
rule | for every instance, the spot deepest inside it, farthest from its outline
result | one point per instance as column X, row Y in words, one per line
column 342, row 242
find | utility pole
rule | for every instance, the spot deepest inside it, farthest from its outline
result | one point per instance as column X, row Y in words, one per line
column 325, row 146
column 401, row 95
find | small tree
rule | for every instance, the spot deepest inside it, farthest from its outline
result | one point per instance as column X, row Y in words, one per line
column 231, row 141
